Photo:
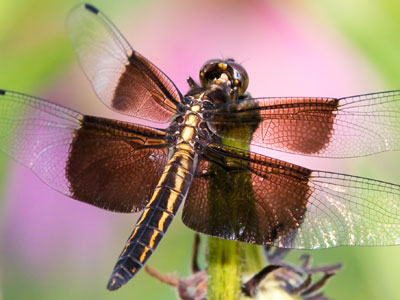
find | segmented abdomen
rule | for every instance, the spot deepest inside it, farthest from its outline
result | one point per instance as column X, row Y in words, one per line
column 172, row 188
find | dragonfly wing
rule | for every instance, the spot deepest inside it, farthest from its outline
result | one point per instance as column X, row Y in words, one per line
column 110, row 164
column 121, row 77
column 248, row 197
column 326, row 127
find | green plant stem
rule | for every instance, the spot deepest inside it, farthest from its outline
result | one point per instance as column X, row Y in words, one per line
column 223, row 269
column 228, row 263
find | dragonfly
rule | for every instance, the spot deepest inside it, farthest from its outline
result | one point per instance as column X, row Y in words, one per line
column 202, row 157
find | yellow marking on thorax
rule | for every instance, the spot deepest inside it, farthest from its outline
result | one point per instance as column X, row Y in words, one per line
column 188, row 134
column 184, row 147
column 191, row 120
column 195, row 108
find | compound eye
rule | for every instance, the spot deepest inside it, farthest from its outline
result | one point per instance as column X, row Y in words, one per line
column 215, row 68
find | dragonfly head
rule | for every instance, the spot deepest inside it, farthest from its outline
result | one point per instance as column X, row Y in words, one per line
column 217, row 71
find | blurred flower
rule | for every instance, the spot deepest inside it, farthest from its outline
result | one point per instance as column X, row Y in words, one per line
column 288, row 281
column 278, row 280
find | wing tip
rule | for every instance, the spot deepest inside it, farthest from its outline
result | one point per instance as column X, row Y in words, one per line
column 91, row 8
column 2, row 92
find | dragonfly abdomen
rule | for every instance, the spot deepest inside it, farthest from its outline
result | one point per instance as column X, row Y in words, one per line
column 171, row 190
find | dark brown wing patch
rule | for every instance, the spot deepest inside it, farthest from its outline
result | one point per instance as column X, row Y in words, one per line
column 113, row 166
column 301, row 125
column 144, row 91
column 327, row 127
column 246, row 199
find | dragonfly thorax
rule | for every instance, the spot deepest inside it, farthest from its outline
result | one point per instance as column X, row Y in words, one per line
column 189, row 126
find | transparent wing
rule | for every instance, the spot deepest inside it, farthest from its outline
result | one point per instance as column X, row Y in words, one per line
column 122, row 78
column 327, row 127
column 347, row 210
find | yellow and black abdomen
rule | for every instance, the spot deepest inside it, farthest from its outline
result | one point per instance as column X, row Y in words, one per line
column 172, row 188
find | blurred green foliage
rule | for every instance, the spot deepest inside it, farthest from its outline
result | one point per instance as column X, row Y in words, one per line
column 373, row 26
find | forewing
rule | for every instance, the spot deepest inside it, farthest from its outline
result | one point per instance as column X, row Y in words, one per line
column 327, row 127
column 122, row 78
column 110, row 164
column 267, row 201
